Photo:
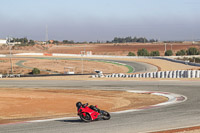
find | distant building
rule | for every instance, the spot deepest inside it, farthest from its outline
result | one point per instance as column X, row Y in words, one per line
column 89, row 53
column 51, row 41
column 186, row 42
column 2, row 42
column 40, row 42
column 17, row 43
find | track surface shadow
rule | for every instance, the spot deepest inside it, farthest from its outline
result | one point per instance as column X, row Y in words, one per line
column 71, row 121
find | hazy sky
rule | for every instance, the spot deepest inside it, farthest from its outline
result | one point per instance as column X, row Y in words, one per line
column 91, row 20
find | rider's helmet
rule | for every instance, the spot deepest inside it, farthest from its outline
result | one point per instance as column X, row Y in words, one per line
column 78, row 104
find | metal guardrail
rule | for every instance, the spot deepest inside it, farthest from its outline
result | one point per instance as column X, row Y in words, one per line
column 38, row 75
column 178, row 61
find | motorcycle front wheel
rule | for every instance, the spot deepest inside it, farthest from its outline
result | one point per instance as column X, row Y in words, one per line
column 106, row 115
column 86, row 118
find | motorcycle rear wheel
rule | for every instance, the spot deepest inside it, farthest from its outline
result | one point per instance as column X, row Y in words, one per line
column 86, row 118
column 106, row 115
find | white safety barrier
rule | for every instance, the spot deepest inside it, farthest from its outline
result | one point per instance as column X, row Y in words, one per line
column 1, row 55
column 159, row 74
column 73, row 55
column 39, row 54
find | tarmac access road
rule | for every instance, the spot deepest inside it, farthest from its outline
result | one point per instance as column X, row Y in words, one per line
column 180, row 115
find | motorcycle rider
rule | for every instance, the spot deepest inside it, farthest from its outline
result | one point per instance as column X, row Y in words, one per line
column 79, row 104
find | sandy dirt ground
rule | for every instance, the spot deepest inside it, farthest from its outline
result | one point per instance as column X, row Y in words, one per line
column 22, row 49
column 29, row 104
column 88, row 66
column 6, row 66
column 101, row 49
column 119, row 49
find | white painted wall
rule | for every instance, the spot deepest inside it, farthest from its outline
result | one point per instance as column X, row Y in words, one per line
column 2, row 41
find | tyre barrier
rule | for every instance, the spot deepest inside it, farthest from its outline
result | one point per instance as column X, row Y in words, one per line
column 159, row 74
column 10, row 75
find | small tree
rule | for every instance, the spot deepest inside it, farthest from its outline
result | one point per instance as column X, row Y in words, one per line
column 35, row 71
column 155, row 53
column 181, row 53
column 142, row 52
column 131, row 54
column 168, row 53
column 31, row 42
column 192, row 51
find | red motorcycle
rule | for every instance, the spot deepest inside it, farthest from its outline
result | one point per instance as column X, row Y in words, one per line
column 91, row 113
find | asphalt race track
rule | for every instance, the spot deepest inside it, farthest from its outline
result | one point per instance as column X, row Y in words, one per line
column 137, row 66
column 172, row 116
column 160, row 118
